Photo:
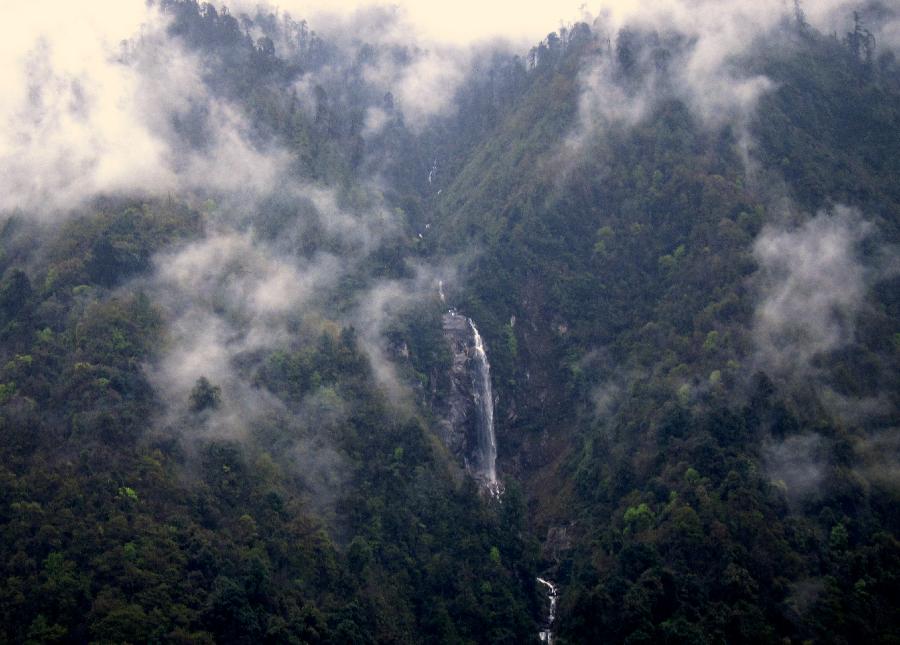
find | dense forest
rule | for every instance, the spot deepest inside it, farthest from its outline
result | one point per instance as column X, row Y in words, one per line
column 226, row 378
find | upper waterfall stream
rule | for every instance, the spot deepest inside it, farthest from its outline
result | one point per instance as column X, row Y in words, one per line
column 484, row 404
column 469, row 426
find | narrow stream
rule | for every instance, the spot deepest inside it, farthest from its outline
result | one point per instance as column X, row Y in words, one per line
column 546, row 634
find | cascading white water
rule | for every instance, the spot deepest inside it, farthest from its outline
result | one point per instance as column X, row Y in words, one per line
column 484, row 400
column 546, row 635
column 480, row 458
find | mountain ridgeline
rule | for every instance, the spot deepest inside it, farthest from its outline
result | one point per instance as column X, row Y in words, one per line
column 235, row 405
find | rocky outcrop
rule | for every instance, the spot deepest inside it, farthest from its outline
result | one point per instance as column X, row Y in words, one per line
column 467, row 412
column 457, row 413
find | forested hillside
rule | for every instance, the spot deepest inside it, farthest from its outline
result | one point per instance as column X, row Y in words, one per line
column 229, row 398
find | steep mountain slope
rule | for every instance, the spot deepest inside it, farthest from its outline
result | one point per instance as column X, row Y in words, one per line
column 709, row 470
column 224, row 387
column 195, row 444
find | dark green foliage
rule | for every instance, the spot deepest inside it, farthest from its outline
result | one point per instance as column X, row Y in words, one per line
column 628, row 277
column 110, row 532
column 614, row 289
column 205, row 395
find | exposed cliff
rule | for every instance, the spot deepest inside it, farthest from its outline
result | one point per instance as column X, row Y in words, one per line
column 467, row 414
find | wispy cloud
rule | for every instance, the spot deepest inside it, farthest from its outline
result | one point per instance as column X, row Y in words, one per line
column 90, row 98
column 812, row 284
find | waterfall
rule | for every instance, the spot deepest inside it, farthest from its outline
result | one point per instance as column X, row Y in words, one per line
column 484, row 404
column 546, row 635
column 470, row 382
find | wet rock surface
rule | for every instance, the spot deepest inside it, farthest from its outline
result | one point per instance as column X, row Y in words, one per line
column 467, row 426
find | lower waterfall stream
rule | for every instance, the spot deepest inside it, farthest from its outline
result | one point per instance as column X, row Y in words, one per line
column 546, row 634
column 485, row 454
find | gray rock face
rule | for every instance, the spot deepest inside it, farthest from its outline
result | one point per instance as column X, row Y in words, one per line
column 467, row 412
column 459, row 421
